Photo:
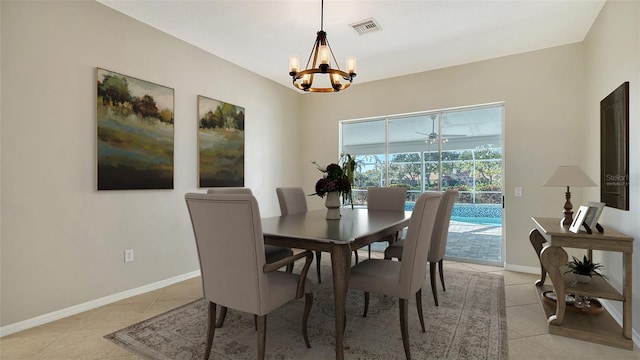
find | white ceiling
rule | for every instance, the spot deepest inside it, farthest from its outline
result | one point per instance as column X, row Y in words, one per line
column 260, row 35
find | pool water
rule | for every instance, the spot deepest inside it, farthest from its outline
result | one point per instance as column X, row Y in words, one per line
column 472, row 213
column 478, row 220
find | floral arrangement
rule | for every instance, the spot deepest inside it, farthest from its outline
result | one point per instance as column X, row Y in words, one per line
column 337, row 177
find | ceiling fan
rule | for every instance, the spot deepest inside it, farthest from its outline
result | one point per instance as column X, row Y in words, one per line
column 433, row 137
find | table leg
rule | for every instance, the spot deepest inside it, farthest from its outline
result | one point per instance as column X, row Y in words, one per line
column 341, row 268
column 537, row 241
column 628, row 303
column 552, row 257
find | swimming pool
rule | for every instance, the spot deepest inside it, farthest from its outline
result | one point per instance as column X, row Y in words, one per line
column 478, row 220
column 482, row 214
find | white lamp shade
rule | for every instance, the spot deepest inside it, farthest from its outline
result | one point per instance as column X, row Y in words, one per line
column 569, row 175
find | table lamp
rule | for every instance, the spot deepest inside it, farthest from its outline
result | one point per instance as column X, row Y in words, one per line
column 568, row 175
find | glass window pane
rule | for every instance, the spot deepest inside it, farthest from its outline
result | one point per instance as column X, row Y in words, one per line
column 367, row 142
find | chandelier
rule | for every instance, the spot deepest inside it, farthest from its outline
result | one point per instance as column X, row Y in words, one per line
column 322, row 56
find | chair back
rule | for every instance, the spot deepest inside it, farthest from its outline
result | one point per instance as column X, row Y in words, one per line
column 441, row 226
column 229, row 240
column 292, row 200
column 413, row 267
column 386, row 198
column 229, row 190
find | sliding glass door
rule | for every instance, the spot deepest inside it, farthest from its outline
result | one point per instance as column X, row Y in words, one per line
column 434, row 151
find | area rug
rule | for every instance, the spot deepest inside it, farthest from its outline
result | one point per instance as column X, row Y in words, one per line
column 470, row 323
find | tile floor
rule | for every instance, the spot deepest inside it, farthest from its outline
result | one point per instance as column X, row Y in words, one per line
column 80, row 336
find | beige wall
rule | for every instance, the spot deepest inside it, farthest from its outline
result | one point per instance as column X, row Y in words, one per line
column 542, row 95
column 63, row 241
column 612, row 56
column 62, row 238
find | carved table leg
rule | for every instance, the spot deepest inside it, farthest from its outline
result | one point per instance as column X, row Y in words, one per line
column 537, row 241
column 552, row 259
column 341, row 268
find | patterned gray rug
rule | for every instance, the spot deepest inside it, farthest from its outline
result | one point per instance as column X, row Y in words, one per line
column 470, row 323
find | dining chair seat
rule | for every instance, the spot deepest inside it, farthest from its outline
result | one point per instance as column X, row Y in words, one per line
column 402, row 279
column 438, row 242
column 272, row 253
column 235, row 273
column 386, row 198
column 292, row 200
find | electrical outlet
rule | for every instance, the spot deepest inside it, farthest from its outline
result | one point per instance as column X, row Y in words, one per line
column 518, row 191
column 128, row 255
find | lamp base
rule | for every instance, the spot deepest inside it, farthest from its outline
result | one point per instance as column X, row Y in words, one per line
column 568, row 214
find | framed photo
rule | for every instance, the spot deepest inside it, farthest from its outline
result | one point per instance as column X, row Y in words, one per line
column 578, row 219
column 593, row 214
column 220, row 143
column 135, row 133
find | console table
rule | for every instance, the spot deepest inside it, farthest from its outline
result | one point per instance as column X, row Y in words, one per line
column 548, row 239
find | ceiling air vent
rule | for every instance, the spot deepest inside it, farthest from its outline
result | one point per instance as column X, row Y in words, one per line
column 366, row 26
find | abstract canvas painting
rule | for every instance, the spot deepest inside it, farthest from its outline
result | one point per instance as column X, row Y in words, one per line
column 220, row 143
column 135, row 133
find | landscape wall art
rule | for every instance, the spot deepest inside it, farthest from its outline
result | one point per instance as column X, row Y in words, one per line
column 220, row 143
column 135, row 133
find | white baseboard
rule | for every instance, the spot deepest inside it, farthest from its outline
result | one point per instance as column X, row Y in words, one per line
column 76, row 309
column 617, row 316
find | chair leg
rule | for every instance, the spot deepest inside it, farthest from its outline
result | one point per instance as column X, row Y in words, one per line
column 290, row 268
column 344, row 328
column 404, row 326
column 432, row 276
column 222, row 316
column 366, row 304
column 419, row 307
column 262, row 335
column 369, row 251
column 318, row 259
column 441, row 274
column 355, row 252
column 211, row 329
column 305, row 318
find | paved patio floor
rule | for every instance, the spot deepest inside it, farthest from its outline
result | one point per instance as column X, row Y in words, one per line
column 470, row 242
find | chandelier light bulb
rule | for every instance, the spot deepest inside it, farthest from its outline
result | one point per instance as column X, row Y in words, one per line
column 294, row 64
column 324, row 55
column 351, row 64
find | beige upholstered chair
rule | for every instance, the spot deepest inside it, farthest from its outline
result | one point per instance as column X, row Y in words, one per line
column 386, row 198
column 292, row 200
column 235, row 274
column 438, row 241
column 272, row 253
column 402, row 279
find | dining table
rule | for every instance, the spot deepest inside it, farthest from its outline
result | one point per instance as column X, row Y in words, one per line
column 356, row 228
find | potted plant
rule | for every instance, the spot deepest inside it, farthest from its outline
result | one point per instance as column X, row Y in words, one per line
column 584, row 269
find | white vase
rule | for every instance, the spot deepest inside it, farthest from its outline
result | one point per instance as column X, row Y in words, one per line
column 332, row 202
column 584, row 279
